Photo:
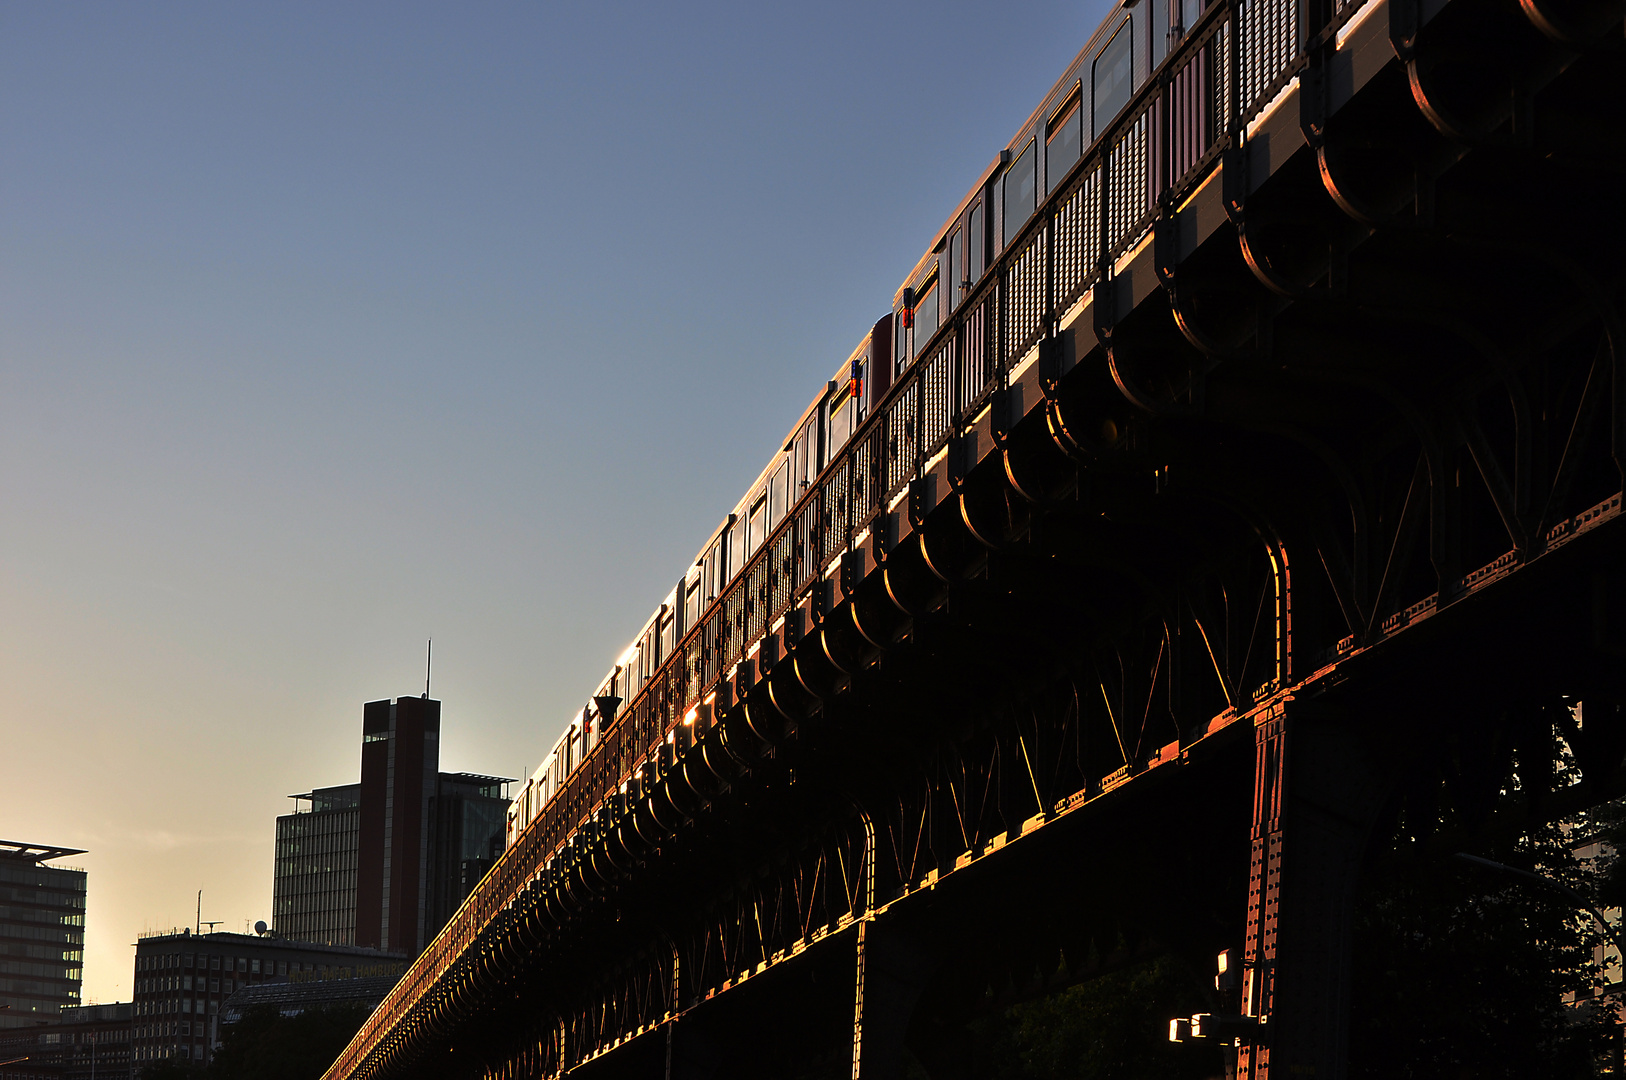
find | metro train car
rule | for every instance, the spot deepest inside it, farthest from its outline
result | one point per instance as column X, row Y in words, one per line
column 1047, row 150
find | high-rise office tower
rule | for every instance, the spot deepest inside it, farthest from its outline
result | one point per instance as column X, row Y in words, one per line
column 400, row 762
column 384, row 863
column 314, row 888
column 468, row 820
column 42, row 933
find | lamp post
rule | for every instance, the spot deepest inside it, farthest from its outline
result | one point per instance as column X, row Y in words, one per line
column 1573, row 896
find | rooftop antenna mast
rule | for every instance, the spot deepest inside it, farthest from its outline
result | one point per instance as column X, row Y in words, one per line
column 428, row 660
column 198, row 928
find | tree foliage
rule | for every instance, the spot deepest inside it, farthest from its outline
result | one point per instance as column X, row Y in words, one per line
column 265, row 1045
column 1459, row 972
column 1463, row 972
column 170, row 1069
column 1111, row 1028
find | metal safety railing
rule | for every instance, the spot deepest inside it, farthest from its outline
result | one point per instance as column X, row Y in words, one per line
column 1158, row 148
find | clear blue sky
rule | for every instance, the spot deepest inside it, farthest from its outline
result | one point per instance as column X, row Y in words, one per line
column 325, row 328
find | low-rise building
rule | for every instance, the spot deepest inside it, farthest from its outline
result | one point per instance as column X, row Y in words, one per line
column 182, row 979
column 85, row 1042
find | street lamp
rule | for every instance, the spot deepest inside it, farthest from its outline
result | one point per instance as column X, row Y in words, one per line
column 1575, row 897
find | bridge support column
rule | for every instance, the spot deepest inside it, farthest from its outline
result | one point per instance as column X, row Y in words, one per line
column 892, row 970
column 689, row 1053
column 1318, row 788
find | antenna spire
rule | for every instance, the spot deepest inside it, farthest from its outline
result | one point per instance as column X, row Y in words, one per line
column 428, row 661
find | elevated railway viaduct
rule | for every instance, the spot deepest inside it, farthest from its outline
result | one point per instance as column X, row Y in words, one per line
column 1269, row 488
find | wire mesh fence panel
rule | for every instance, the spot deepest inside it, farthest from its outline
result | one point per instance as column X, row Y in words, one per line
column 781, row 570
column 836, row 505
column 1025, row 300
column 937, row 386
column 729, row 633
column 902, row 438
column 1196, row 118
column 862, row 485
column 977, row 365
column 808, row 541
column 1267, row 34
column 1129, row 198
column 756, row 600
column 708, row 648
column 644, row 711
column 1078, row 239
column 694, row 669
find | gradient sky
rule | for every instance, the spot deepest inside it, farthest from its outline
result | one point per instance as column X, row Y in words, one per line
column 328, row 328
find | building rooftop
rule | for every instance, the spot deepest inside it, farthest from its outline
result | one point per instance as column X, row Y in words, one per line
column 292, row 998
column 338, row 797
column 222, row 937
column 95, row 1014
column 494, row 787
column 16, row 851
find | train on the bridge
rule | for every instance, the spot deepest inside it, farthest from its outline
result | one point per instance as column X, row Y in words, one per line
column 1099, row 84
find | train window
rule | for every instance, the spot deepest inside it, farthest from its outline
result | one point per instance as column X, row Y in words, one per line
column 711, row 572
column 779, row 494
column 1019, row 192
column 925, row 312
column 757, row 524
column 667, row 628
column 1064, row 140
column 951, row 270
column 900, row 349
column 803, row 466
column 736, row 548
column 841, row 414
column 1158, row 30
column 974, row 229
column 798, row 464
column 693, row 599
column 817, row 450
column 1114, row 77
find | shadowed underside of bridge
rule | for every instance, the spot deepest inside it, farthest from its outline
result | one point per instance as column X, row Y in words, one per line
column 1271, row 480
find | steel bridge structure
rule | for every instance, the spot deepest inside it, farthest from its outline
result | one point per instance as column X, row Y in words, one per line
column 1272, row 480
